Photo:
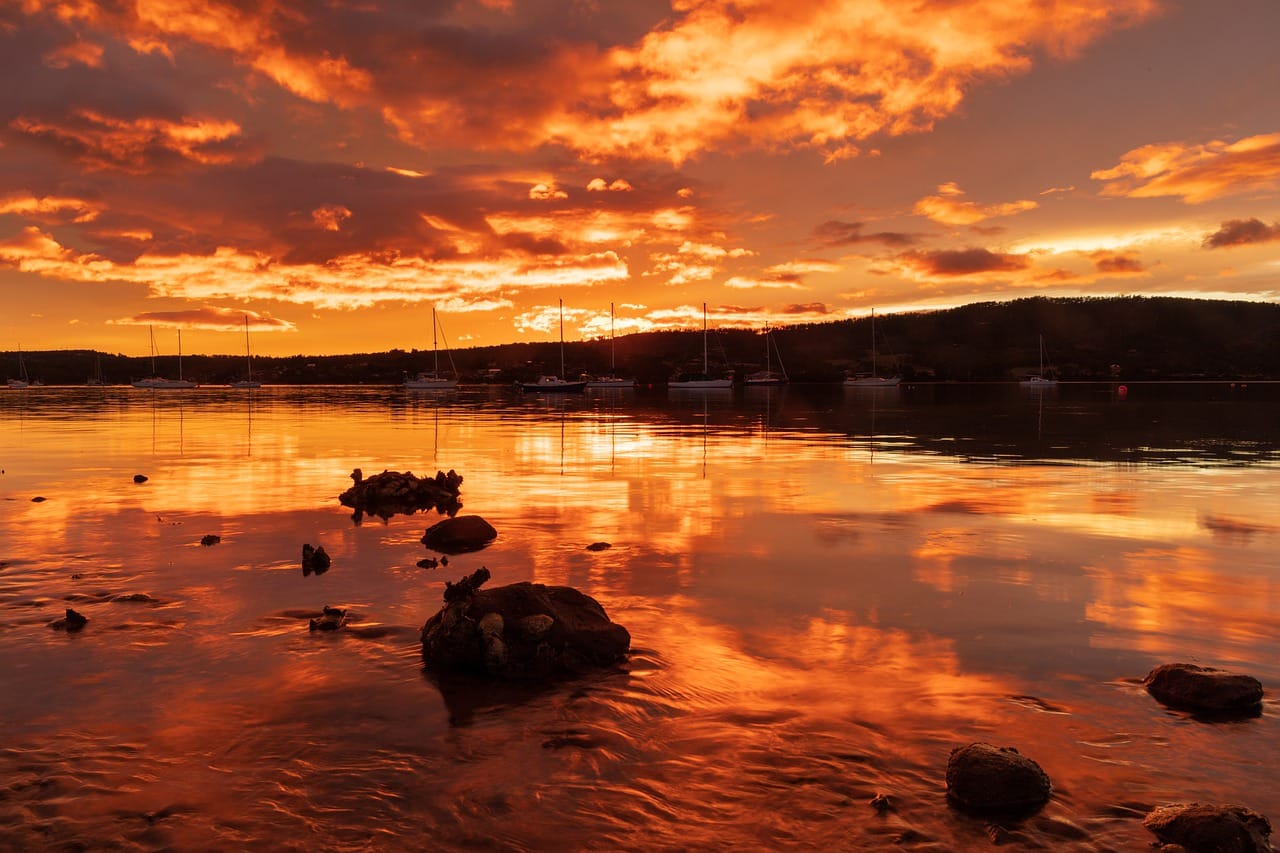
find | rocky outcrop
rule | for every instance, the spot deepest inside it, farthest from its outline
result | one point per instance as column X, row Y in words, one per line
column 520, row 631
column 987, row 779
column 392, row 492
column 1202, row 689
column 330, row 619
column 459, row 535
column 1210, row 829
column 73, row 621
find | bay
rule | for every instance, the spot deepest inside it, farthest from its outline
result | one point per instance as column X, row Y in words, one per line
column 827, row 591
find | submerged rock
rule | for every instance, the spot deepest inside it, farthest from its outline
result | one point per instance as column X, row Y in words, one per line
column 520, row 631
column 599, row 546
column 984, row 778
column 210, row 539
column 139, row 478
column 1210, row 829
column 331, row 619
column 393, row 492
column 314, row 560
column 459, row 535
column 1204, row 689
column 73, row 621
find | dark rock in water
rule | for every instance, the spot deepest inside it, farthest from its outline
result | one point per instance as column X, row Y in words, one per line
column 428, row 563
column 599, row 546
column 38, row 499
column 520, row 631
column 459, row 535
column 392, row 492
column 72, row 622
column 1210, row 829
column 314, row 560
column 988, row 779
column 210, row 539
column 139, row 478
column 332, row 619
column 1204, row 689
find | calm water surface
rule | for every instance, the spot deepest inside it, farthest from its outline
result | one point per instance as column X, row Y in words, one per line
column 827, row 591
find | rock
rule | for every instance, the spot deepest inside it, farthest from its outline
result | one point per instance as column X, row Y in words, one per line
column 599, row 546
column 428, row 563
column 1204, row 689
column 459, row 535
column 314, row 560
column 39, row 499
column 73, row 621
column 332, row 619
column 1210, row 829
column 210, row 539
column 521, row 631
column 392, row 492
column 984, row 778
column 139, row 478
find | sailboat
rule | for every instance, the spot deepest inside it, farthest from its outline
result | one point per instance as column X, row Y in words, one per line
column 1039, row 380
column 548, row 383
column 872, row 379
column 157, row 382
column 249, row 381
column 96, row 378
column 612, row 380
column 768, row 376
column 23, row 380
column 434, row 381
column 702, row 380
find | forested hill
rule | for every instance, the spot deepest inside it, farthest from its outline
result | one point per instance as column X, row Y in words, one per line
column 1123, row 338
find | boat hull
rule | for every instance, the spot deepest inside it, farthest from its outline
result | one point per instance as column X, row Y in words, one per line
column 430, row 383
column 553, row 385
column 873, row 382
column 161, row 384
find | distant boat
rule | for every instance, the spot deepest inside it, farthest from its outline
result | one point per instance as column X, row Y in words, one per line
column 703, row 380
column 1039, row 380
column 155, row 381
column 872, row 379
column 612, row 380
column 96, row 378
column 768, row 376
column 23, row 380
column 248, row 381
column 433, row 381
column 556, row 384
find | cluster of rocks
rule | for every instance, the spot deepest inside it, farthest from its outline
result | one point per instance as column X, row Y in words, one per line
column 520, row 631
column 392, row 492
column 315, row 561
column 989, row 780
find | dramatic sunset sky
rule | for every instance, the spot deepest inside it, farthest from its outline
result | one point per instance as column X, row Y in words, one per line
column 334, row 169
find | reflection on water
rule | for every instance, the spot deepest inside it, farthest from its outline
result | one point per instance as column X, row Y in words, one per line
column 827, row 590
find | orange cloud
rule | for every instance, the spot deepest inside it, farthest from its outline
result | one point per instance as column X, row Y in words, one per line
column 962, row 262
column 947, row 208
column 77, row 52
column 330, row 216
column 50, row 209
column 1118, row 263
column 1242, row 232
column 1195, row 173
column 836, row 233
column 598, row 185
column 209, row 318
column 136, row 145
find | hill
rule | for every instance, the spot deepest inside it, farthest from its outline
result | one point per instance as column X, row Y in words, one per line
column 1122, row 338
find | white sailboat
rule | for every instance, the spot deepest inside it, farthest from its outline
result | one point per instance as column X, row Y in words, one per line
column 613, row 380
column 1039, row 380
column 155, row 381
column 548, row 383
column 703, row 380
column 249, row 381
column 872, row 379
column 768, row 376
column 434, row 381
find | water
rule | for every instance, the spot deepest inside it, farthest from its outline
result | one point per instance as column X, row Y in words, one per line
column 827, row 591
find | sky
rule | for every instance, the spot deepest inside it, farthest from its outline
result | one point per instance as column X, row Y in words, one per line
column 336, row 171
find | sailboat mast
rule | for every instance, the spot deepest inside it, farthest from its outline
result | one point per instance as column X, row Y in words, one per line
column 562, row 339
column 435, row 353
column 151, row 330
column 874, row 372
column 611, row 364
column 706, row 364
column 248, row 362
column 179, row 354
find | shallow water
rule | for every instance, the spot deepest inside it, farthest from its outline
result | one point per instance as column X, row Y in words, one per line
column 827, row 591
